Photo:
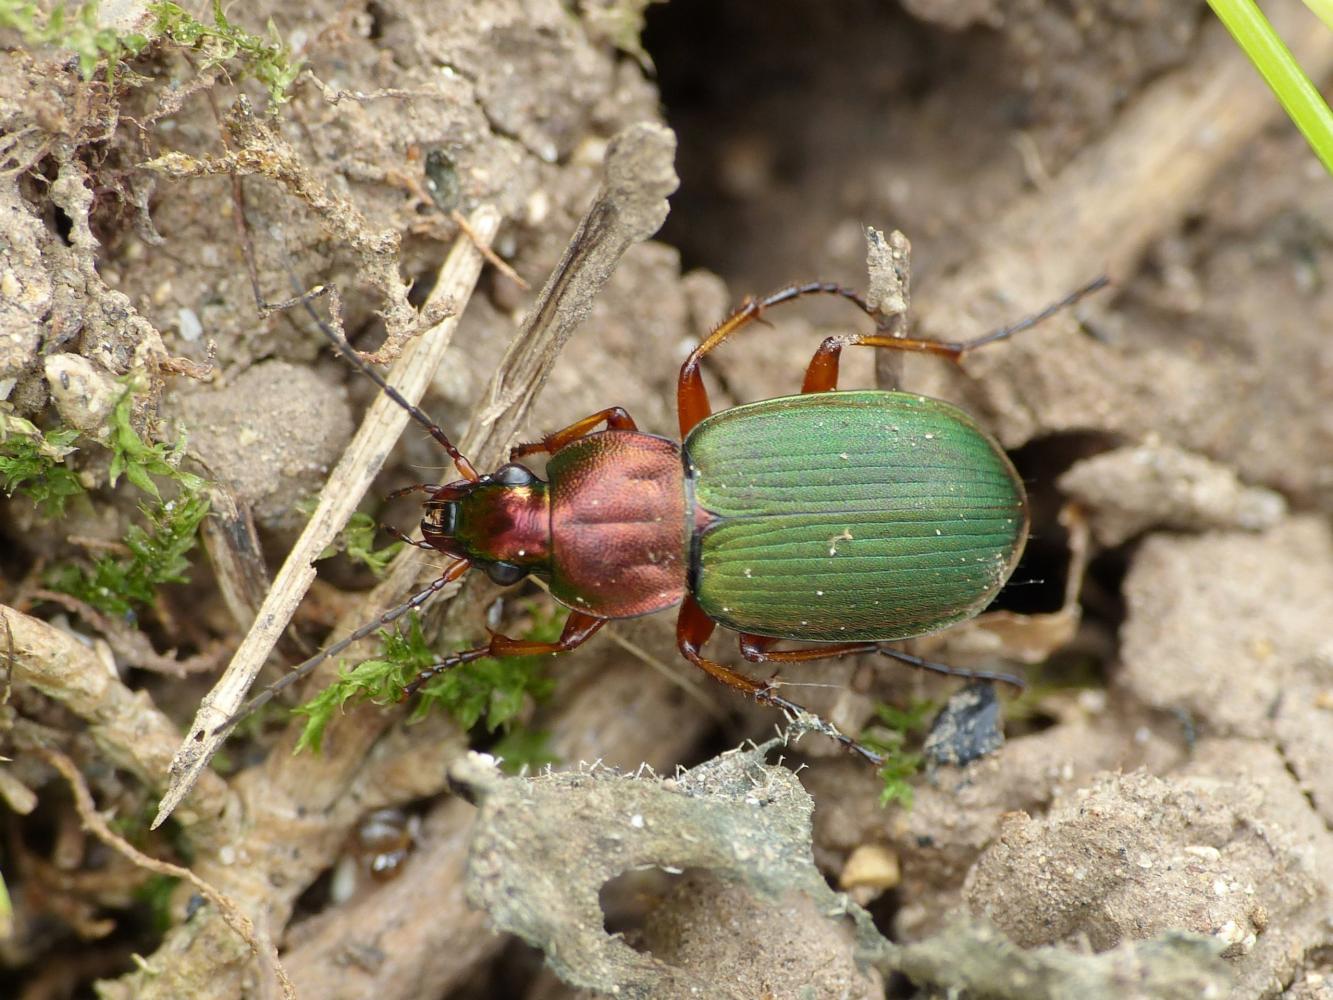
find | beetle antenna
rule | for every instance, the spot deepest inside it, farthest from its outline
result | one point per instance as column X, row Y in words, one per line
column 465, row 468
column 451, row 573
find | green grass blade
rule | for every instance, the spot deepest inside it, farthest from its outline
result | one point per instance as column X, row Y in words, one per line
column 1275, row 62
column 1323, row 9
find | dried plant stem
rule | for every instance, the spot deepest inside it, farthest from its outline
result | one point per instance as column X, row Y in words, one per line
column 361, row 462
column 295, row 811
column 1117, row 195
column 259, row 943
column 126, row 726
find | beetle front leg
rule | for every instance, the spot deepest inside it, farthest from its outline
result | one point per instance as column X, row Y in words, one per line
column 758, row 649
column 616, row 418
column 579, row 628
column 693, row 629
column 407, row 539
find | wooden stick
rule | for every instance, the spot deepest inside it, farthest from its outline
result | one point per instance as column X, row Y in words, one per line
column 361, row 462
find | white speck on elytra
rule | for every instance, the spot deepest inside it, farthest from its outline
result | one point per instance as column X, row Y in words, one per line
column 819, row 593
column 930, row 437
column 843, row 455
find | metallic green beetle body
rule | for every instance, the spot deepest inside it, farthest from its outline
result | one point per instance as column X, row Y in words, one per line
column 843, row 519
column 844, row 516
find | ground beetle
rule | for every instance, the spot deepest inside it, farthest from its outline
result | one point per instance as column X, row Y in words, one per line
column 845, row 519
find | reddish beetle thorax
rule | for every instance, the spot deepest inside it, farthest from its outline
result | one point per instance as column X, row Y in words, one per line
column 620, row 542
column 511, row 524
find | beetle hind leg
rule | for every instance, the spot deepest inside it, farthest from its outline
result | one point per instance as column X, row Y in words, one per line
column 758, row 649
column 1014, row 681
column 693, row 629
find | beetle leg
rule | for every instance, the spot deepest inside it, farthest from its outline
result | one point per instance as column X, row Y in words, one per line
column 822, row 373
column 691, row 397
column 1017, row 683
column 414, row 488
column 758, row 649
column 579, row 628
column 407, row 539
column 615, row 418
column 451, row 573
column 693, row 629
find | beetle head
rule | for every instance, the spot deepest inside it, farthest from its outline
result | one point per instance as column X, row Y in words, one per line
column 500, row 523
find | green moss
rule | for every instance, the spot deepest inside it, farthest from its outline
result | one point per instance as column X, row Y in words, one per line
column 124, row 584
column 269, row 60
column 74, row 29
column 140, row 461
column 524, row 750
column 489, row 691
column 32, row 464
column 156, row 894
column 357, row 539
column 890, row 735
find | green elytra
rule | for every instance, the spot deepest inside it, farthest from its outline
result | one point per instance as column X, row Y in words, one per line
column 843, row 519
column 851, row 516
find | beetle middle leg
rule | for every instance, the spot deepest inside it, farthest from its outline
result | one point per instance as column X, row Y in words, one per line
column 579, row 628
column 822, row 373
column 693, row 629
column 691, row 396
column 758, row 649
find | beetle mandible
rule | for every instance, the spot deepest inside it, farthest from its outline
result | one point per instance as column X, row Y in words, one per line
column 841, row 519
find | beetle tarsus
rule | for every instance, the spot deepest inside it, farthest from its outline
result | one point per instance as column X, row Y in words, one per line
column 440, row 666
column 765, row 695
column 451, row 573
column 407, row 539
column 943, row 668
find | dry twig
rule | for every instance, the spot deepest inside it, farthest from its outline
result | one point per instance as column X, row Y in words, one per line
column 361, row 462
column 297, row 809
column 125, row 725
column 259, row 943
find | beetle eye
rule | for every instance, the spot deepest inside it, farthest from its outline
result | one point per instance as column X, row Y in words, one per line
column 505, row 573
column 513, row 475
